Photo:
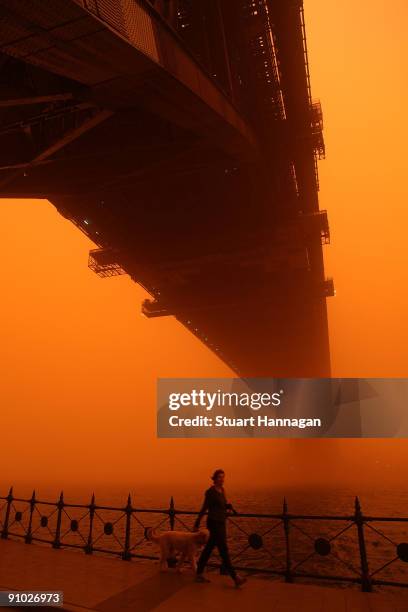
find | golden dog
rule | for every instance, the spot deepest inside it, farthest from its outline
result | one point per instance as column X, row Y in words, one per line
column 182, row 542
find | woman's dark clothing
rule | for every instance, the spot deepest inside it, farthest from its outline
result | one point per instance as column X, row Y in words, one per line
column 215, row 504
column 218, row 538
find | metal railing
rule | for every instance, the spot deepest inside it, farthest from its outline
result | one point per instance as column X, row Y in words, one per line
column 281, row 544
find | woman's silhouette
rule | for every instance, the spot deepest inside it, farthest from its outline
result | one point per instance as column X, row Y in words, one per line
column 217, row 507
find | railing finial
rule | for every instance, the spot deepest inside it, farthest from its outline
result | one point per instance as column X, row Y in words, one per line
column 366, row 584
column 172, row 513
column 88, row 547
column 4, row 533
column 126, row 554
column 29, row 534
column 60, row 505
column 286, row 529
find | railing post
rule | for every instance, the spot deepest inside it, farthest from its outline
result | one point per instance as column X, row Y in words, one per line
column 172, row 561
column 88, row 547
column 60, row 506
column 172, row 514
column 4, row 533
column 29, row 537
column 126, row 556
column 359, row 521
column 286, row 525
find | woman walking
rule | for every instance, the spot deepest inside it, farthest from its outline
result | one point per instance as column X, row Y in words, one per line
column 217, row 507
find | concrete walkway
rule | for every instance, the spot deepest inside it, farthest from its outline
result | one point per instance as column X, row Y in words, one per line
column 110, row 585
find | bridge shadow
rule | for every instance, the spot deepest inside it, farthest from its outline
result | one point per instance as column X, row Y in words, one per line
column 148, row 594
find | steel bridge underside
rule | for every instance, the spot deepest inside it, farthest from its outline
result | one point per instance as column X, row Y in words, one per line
column 121, row 126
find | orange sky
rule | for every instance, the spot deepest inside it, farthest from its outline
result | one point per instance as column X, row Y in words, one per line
column 79, row 363
column 359, row 62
